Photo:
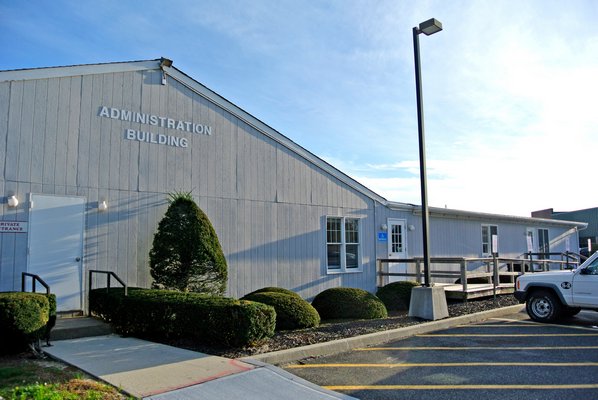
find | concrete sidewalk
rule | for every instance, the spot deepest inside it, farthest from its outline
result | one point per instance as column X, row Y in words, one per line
column 156, row 371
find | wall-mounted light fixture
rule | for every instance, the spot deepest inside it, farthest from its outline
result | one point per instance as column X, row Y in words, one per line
column 384, row 227
column 411, row 227
column 164, row 62
column 102, row 206
column 13, row 201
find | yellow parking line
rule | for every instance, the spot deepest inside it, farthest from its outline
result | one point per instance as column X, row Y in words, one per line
column 453, row 364
column 533, row 323
column 462, row 387
column 536, row 335
column 502, row 326
column 531, row 348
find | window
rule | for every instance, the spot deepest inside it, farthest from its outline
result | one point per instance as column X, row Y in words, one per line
column 487, row 232
column 530, row 240
column 543, row 243
column 396, row 238
column 334, row 242
column 593, row 267
column 343, row 253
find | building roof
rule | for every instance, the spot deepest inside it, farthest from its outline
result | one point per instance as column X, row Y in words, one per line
column 176, row 74
column 462, row 214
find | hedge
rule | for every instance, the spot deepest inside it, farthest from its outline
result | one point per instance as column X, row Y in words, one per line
column 339, row 303
column 25, row 318
column 397, row 295
column 292, row 312
column 164, row 314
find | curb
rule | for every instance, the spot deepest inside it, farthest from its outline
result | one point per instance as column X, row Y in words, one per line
column 347, row 344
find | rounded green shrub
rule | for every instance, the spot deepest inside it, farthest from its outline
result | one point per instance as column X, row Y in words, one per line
column 272, row 289
column 338, row 303
column 397, row 295
column 292, row 312
column 45, row 331
column 23, row 319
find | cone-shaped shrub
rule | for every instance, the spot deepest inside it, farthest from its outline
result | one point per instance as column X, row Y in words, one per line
column 186, row 254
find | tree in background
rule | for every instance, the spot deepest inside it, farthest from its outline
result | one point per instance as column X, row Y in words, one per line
column 186, row 254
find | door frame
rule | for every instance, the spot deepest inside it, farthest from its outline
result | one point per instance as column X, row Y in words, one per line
column 403, row 223
column 81, row 269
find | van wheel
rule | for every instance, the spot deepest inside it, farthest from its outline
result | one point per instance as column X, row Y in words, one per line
column 543, row 306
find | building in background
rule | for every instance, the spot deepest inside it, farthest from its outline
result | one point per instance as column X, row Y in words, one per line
column 588, row 215
column 91, row 152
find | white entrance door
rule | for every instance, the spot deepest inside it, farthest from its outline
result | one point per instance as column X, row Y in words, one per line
column 56, row 247
column 397, row 248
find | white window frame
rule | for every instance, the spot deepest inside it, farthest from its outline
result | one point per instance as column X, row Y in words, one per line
column 530, row 232
column 488, row 244
column 343, row 268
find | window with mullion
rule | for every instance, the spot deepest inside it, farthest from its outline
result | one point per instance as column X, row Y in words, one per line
column 333, row 242
column 342, row 244
column 351, row 243
column 487, row 232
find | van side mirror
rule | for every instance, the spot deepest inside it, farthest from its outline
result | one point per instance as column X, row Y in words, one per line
column 584, row 271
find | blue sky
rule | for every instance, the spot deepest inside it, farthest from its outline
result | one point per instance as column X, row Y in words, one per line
column 510, row 86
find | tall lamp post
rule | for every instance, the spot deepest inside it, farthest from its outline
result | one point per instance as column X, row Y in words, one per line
column 428, row 28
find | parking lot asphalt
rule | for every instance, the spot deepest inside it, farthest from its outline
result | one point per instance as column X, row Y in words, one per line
column 509, row 357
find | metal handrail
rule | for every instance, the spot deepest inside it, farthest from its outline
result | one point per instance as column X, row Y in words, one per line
column 109, row 274
column 35, row 278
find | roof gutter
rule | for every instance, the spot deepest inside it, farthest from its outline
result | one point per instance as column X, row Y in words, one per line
column 461, row 214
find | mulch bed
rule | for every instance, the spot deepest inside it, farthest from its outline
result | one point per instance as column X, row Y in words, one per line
column 328, row 331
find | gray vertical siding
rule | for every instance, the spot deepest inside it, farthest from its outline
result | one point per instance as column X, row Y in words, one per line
column 267, row 203
column 461, row 237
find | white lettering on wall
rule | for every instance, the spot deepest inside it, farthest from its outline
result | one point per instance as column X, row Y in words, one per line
column 150, row 137
column 154, row 120
column 158, row 121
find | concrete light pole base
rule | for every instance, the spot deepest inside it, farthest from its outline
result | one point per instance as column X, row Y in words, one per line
column 428, row 303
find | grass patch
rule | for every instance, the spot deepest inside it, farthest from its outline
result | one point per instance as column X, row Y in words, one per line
column 23, row 377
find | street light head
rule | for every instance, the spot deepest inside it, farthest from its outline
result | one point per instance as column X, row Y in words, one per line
column 430, row 27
